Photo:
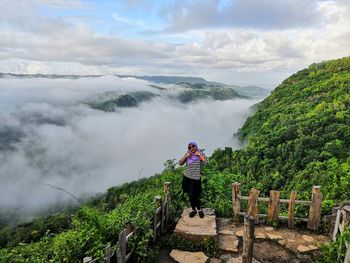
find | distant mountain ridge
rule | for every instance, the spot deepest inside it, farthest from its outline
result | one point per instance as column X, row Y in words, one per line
column 171, row 79
column 248, row 91
column 48, row 76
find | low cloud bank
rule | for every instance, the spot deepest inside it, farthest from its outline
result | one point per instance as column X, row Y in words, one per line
column 48, row 135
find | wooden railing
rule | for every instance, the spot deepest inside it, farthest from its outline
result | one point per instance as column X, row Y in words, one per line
column 161, row 219
column 342, row 222
column 274, row 201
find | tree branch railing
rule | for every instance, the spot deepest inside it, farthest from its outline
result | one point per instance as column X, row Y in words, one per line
column 161, row 220
column 342, row 222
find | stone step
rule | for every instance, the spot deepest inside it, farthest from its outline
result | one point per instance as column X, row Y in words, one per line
column 227, row 240
column 188, row 257
column 228, row 243
column 292, row 239
column 196, row 228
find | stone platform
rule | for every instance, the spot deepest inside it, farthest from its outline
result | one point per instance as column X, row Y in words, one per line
column 196, row 228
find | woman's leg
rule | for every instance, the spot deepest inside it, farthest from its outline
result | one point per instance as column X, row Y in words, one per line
column 193, row 201
column 198, row 204
column 198, row 201
column 193, row 205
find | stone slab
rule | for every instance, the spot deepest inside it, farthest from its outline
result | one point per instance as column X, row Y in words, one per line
column 259, row 233
column 228, row 243
column 234, row 260
column 306, row 248
column 225, row 226
column 308, row 238
column 274, row 236
column 196, row 228
column 188, row 257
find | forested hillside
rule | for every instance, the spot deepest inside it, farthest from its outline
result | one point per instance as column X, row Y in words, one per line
column 298, row 137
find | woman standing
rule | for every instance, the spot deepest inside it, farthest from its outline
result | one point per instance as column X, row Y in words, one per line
column 191, row 182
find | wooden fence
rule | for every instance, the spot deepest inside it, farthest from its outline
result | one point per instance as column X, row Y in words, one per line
column 274, row 201
column 161, row 219
column 342, row 222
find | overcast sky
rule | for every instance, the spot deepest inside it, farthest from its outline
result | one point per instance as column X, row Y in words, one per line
column 245, row 42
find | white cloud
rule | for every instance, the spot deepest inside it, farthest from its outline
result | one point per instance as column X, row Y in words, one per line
column 61, row 3
column 32, row 42
column 65, row 143
column 263, row 14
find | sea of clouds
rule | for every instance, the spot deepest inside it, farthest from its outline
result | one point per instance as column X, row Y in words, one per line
column 48, row 135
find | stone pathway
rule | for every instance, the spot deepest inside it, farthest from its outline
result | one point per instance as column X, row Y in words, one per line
column 283, row 244
column 291, row 239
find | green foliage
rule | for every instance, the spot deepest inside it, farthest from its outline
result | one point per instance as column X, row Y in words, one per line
column 131, row 99
column 91, row 230
column 217, row 93
column 335, row 252
column 298, row 137
column 125, row 100
column 35, row 230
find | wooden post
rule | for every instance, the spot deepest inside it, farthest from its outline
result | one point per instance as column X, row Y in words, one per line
column 108, row 254
column 291, row 206
column 345, row 224
column 236, row 205
column 129, row 227
column 316, row 189
column 162, row 216
column 154, row 226
column 346, row 216
column 248, row 239
column 315, row 209
column 169, row 196
column 158, row 200
column 272, row 212
column 121, row 254
column 253, row 208
column 167, row 186
column 336, row 225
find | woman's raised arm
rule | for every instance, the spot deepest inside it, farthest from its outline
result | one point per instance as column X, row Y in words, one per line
column 183, row 159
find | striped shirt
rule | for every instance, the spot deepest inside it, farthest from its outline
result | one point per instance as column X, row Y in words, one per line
column 193, row 170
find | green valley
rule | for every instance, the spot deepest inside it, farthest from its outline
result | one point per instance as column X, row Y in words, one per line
column 297, row 137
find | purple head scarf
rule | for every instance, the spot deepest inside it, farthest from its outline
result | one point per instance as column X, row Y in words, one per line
column 192, row 157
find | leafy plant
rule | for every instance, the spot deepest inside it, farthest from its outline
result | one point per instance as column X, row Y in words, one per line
column 335, row 252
